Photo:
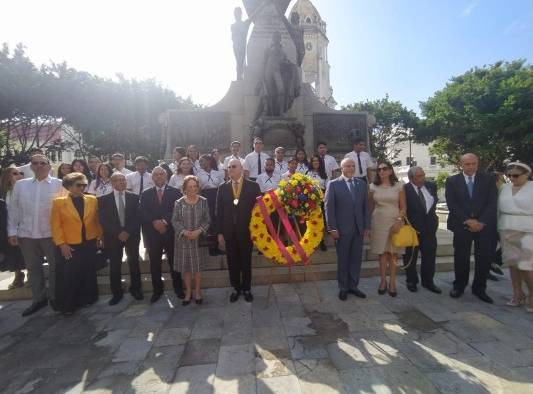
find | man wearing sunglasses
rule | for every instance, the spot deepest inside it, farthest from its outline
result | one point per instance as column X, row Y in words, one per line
column 29, row 227
column 471, row 197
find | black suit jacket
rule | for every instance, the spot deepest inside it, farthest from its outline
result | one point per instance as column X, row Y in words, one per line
column 109, row 220
column 482, row 206
column 3, row 227
column 424, row 222
column 235, row 219
column 151, row 210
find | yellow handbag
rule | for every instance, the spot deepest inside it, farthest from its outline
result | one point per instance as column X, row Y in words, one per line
column 406, row 237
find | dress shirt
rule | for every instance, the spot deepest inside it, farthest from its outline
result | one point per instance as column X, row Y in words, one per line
column 286, row 176
column 30, row 207
column 347, row 181
column 196, row 167
column 267, row 182
column 280, row 167
column 468, row 176
column 427, row 196
column 133, row 181
column 331, row 165
column 365, row 162
column 103, row 188
column 209, row 180
column 124, row 171
column 323, row 183
column 173, row 167
column 302, row 168
column 250, row 163
column 176, row 181
column 117, row 196
column 227, row 159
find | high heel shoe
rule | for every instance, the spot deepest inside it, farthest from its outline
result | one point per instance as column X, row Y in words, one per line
column 392, row 293
column 516, row 301
column 199, row 301
column 382, row 291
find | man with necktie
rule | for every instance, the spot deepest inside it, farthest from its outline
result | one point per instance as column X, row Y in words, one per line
column 254, row 162
column 119, row 218
column 156, row 206
column 235, row 201
column 471, row 197
column 361, row 159
column 421, row 198
column 141, row 179
column 348, row 222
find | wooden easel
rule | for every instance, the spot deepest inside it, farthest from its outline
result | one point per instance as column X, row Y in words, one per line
column 305, row 268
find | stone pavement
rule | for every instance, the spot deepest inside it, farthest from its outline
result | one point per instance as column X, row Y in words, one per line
column 415, row 343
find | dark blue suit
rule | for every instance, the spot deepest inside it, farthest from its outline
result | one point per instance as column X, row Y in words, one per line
column 348, row 213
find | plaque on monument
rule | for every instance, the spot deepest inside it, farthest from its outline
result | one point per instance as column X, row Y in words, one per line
column 339, row 129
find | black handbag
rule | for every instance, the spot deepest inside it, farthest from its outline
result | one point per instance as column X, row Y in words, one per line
column 100, row 261
column 207, row 241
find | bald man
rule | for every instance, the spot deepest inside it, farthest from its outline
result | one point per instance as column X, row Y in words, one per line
column 471, row 197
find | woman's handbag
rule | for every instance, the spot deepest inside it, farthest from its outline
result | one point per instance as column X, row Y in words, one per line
column 207, row 241
column 405, row 237
column 100, row 261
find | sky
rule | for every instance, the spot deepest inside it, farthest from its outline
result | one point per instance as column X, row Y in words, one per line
column 408, row 49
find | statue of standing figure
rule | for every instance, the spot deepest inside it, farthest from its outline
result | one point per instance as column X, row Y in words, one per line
column 239, row 34
column 281, row 78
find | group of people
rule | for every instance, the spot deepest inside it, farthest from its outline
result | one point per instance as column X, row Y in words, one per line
column 93, row 212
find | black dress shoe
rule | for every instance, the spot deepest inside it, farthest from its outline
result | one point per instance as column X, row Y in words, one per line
column 456, row 293
column 382, row 291
column 323, row 247
column 248, row 297
column 483, row 297
column 412, row 287
column 199, row 301
column 496, row 269
column 343, row 295
column 431, row 287
column 179, row 292
column 36, row 306
column 138, row 295
column 115, row 299
column 492, row 277
column 234, row 296
column 357, row 293
column 155, row 297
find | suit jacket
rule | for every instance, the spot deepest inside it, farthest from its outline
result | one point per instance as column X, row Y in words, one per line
column 3, row 227
column 482, row 206
column 151, row 210
column 66, row 223
column 344, row 213
column 109, row 220
column 230, row 216
column 425, row 222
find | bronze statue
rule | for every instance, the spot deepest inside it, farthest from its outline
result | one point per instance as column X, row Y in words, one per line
column 281, row 78
column 239, row 33
column 297, row 34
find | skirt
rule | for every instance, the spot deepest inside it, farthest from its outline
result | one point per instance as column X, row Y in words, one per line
column 517, row 249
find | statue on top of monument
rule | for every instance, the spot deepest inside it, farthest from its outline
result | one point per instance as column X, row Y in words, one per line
column 281, row 79
column 296, row 32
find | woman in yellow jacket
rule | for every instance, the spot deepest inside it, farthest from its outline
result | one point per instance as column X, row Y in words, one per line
column 77, row 233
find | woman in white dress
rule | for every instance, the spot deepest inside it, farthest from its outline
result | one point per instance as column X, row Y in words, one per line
column 184, row 169
column 102, row 184
column 515, row 224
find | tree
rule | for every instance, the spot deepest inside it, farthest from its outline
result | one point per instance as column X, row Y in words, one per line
column 487, row 110
column 394, row 123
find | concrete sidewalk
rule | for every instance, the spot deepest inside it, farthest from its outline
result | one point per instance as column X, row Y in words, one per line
column 415, row 343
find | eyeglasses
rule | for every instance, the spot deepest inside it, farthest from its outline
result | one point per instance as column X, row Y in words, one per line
column 17, row 173
column 39, row 163
column 382, row 168
column 233, row 166
column 514, row 175
column 80, row 185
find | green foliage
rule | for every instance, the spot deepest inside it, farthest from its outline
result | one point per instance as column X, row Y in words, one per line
column 440, row 180
column 487, row 111
column 105, row 115
column 394, row 123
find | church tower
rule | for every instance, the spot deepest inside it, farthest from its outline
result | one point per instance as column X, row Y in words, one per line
column 315, row 66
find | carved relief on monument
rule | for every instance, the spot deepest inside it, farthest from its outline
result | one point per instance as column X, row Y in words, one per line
column 339, row 129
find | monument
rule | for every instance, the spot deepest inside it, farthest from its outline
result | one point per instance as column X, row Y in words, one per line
column 269, row 97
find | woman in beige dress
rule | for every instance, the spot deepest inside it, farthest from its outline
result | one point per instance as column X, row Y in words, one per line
column 387, row 204
column 515, row 224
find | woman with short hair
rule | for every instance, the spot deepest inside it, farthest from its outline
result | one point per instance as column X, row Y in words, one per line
column 515, row 225
column 77, row 233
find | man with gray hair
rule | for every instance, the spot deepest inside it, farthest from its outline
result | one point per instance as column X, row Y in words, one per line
column 29, row 226
column 421, row 198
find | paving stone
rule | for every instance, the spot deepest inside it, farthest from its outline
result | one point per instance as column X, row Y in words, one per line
column 298, row 326
column 235, row 360
column 242, row 384
column 270, row 338
column 287, row 384
column 237, row 333
column 172, row 336
column 503, row 354
column 318, row 376
column 270, row 368
column 200, row 351
column 347, row 354
column 308, row 347
column 132, row 349
column 127, row 368
column 195, row 379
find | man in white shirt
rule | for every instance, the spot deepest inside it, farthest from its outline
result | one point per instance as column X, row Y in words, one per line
column 235, row 149
column 280, row 165
column 29, row 227
column 177, row 154
column 25, row 169
column 291, row 168
column 268, row 179
column 118, row 161
column 254, row 162
column 330, row 164
column 141, row 179
column 361, row 158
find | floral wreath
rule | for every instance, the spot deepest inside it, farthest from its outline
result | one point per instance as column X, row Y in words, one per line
column 297, row 198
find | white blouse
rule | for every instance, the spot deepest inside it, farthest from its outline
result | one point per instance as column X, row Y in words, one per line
column 516, row 212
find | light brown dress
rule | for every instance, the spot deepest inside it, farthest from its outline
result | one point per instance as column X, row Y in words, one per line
column 386, row 212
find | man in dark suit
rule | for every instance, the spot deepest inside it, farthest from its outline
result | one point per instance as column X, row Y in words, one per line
column 156, row 206
column 119, row 217
column 235, row 201
column 421, row 198
column 471, row 197
column 348, row 221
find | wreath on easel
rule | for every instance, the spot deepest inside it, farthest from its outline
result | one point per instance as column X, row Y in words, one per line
column 296, row 200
